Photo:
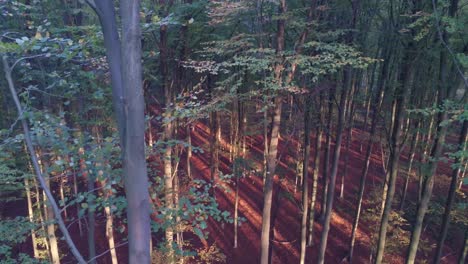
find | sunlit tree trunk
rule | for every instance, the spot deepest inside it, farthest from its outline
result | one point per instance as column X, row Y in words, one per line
column 41, row 216
column 50, row 217
column 31, row 217
column 110, row 234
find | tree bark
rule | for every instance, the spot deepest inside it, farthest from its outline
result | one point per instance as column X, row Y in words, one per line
column 31, row 217
column 134, row 164
column 305, row 174
column 318, row 146
column 273, row 145
column 127, row 92
column 326, row 164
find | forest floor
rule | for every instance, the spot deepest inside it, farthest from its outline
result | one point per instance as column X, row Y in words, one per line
column 286, row 211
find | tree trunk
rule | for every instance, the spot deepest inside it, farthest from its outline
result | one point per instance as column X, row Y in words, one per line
column 305, row 173
column 451, row 196
column 318, row 146
column 50, row 216
column 31, row 217
column 427, row 187
column 377, row 105
column 268, row 189
column 464, row 250
column 273, row 146
column 412, row 153
column 110, row 234
column 349, row 115
column 326, row 164
column 334, row 168
column 395, row 141
column 91, row 222
column 134, row 164
column 124, row 60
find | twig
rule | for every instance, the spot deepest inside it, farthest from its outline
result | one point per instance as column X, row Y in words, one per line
column 107, row 251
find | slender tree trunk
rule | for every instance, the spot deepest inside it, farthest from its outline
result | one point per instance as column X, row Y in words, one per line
column 377, row 104
column 41, row 216
column 318, row 146
column 326, row 164
column 424, row 157
column 334, row 168
column 110, row 234
column 75, row 190
column 305, row 184
column 427, row 186
column 451, row 196
column 236, row 209
column 464, row 250
column 189, row 151
column 265, row 144
column 394, row 159
column 54, row 251
column 268, row 189
column 349, row 115
column 273, row 146
column 237, row 113
column 62, row 195
column 91, row 222
column 412, row 152
column 31, row 217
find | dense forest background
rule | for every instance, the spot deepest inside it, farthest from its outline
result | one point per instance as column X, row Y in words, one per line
column 206, row 131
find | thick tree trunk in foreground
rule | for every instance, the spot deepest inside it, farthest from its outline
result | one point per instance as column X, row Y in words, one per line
column 134, row 164
column 127, row 88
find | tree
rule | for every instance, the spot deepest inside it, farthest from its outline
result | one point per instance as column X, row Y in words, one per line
column 126, row 73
